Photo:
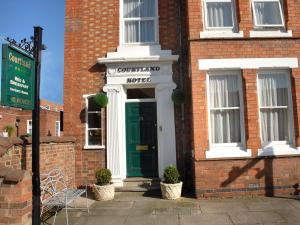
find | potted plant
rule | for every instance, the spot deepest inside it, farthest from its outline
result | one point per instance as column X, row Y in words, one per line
column 172, row 186
column 103, row 189
column 8, row 131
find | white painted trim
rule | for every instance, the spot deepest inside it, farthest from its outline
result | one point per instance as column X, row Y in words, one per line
column 149, row 58
column 278, row 150
column 278, row 144
column 57, row 133
column 220, row 34
column 227, row 149
column 27, row 127
column 94, row 147
column 228, row 152
column 205, row 15
column 270, row 33
column 268, row 25
column 86, row 145
column 141, row 100
column 122, row 26
column 248, row 63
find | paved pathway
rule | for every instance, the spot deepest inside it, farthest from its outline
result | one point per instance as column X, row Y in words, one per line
column 143, row 209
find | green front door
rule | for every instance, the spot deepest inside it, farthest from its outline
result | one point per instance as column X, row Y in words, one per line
column 141, row 139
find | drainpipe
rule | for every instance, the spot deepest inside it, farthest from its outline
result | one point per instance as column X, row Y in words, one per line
column 181, row 81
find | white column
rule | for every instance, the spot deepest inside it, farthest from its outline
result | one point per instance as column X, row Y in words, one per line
column 114, row 132
column 165, row 126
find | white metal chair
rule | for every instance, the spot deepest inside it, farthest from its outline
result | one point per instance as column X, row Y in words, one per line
column 55, row 193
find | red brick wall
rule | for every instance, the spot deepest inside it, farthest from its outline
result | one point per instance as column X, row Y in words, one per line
column 47, row 120
column 15, row 202
column 255, row 176
column 54, row 153
column 244, row 17
column 92, row 30
column 211, row 174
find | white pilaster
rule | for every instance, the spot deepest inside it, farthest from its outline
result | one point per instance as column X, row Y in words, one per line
column 165, row 126
column 115, row 132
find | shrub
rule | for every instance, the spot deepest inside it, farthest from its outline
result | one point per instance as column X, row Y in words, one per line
column 9, row 129
column 101, row 99
column 171, row 175
column 103, row 176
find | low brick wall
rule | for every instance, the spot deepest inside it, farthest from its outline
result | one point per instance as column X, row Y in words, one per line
column 15, row 197
column 267, row 176
column 15, row 173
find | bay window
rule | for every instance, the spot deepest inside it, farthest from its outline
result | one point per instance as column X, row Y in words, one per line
column 225, row 109
column 276, row 118
column 94, row 124
column 219, row 14
column 139, row 21
column 268, row 13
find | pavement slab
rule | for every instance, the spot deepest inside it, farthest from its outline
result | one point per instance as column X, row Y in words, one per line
column 242, row 218
column 146, row 209
column 206, row 219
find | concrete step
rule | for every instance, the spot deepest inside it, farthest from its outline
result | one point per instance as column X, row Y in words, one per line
column 139, row 184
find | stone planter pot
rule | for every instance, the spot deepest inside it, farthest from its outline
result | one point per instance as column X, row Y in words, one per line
column 104, row 193
column 171, row 191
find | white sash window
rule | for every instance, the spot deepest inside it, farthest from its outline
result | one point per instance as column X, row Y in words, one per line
column 94, row 137
column 140, row 21
column 225, row 109
column 268, row 13
column 276, row 123
column 219, row 14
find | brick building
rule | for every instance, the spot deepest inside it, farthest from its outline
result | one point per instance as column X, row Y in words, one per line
column 245, row 95
column 21, row 120
column 237, row 131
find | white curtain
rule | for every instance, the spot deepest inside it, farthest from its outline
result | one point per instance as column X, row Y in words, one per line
column 131, row 8
column 273, row 92
column 131, row 31
column 267, row 13
column 219, row 14
column 225, row 121
column 138, row 30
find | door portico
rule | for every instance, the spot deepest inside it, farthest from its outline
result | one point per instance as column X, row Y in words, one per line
column 130, row 73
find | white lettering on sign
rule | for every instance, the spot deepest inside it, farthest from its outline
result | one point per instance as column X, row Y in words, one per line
column 138, row 80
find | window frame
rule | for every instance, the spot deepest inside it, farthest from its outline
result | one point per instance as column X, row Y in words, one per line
column 123, row 20
column 87, row 129
column 57, row 132
column 291, row 130
column 29, row 127
column 239, row 145
column 205, row 16
column 268, row 25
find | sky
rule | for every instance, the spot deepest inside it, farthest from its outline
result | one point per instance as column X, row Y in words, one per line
column 17, row 19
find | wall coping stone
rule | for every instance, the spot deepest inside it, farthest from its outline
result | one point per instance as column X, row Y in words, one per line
column 7, row 143
column 51, row 139
column 13, row 175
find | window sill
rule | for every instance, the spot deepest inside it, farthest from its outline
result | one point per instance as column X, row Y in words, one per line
column 277, row 150
column 228, row 152
column 94, row 147
column 220, row 34
column 270, row 34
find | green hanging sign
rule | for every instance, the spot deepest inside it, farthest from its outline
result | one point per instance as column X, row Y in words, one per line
column 17, row 81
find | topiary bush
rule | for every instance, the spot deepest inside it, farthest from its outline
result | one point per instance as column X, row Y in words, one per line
column 103, row 177
column 171, row 175
column 101, row 99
